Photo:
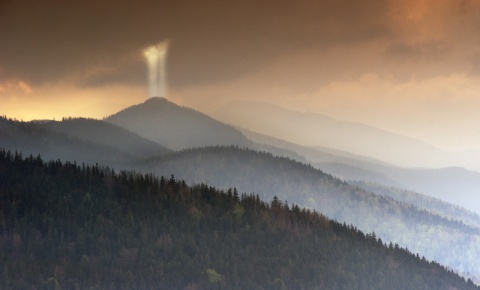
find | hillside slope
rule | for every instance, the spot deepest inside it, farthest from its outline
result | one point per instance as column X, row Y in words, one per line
column 447, row 241
column 455, row 185
column 69, row 227
column 176, row 127
column 339, row 163
column 34, row 138
column 310, row 129
column 421, row 201
column 104, row 133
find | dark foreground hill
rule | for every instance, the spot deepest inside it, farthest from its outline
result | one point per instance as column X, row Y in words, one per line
column 70, row 227
column 176, row 127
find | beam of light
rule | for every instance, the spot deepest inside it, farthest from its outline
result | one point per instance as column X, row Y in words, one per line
column 156, row 56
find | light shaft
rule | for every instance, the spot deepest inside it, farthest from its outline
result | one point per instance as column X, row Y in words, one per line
column 156, row 56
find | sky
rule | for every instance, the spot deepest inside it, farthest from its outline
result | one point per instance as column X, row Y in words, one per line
column 411, row 67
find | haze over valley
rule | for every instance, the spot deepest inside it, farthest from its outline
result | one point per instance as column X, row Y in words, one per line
column 250, row 145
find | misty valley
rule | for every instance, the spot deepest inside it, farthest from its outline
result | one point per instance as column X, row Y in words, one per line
column 160, row 196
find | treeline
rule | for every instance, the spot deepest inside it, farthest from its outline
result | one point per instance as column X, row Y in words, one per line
column 70, row 226
column 37, row 138
column 431, row 204
column 254, row 171
column 450, row 242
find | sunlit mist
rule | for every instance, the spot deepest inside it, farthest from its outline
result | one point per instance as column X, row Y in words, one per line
column 156, row 56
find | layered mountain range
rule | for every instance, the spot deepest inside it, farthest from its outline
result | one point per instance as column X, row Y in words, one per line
column 455, row 184
column 367, row 192
column 313, row 130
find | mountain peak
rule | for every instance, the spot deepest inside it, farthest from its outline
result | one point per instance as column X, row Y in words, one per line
column 156, row 100
column 176, row 127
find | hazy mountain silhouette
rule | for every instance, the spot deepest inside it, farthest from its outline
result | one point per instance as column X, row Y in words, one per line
column 310, row 129
column 176, row 127
column 422, row 201
column 359, row 167
column 34, row 138
column 78, row 140
column 452, row 184
column 104, row 133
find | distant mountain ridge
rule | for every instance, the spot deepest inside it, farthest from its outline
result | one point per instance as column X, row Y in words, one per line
column 422, row 201
column 455, row 185
column 176, row 127
column 313, row 154
column 311, row 129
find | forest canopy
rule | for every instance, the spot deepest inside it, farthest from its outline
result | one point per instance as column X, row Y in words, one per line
column 70, row 226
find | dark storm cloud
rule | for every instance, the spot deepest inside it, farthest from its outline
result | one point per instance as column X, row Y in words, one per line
column 48, row 40
column 95, row 43
column 425, row 51
column 99, row 42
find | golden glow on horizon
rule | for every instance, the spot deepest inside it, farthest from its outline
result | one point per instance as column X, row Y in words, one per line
column 15, row 86
column 58, row 101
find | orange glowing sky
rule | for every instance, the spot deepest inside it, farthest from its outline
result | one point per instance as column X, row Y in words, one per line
column 410, row 67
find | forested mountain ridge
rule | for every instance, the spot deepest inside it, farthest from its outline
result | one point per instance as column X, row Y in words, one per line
column 421, row 201
column 35, row 138
column 92, row 141
column 339, row 163
column 450, row 242
column 108, row 134
column 176, row 127
column 455, row 185
column 369, row 174
column 68, row 226
column 452, row 184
